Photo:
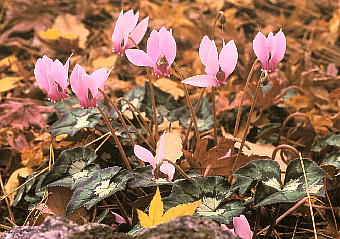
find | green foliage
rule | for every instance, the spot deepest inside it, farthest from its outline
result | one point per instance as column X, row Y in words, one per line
column 213, row 191
column 98, row 186
column 142, row 177
column 71, row 167
column 266, row 176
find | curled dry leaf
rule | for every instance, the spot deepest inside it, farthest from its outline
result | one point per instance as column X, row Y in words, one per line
column 13, row 181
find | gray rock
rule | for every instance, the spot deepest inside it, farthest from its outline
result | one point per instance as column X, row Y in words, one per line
column 61, row 228
column 187, row 227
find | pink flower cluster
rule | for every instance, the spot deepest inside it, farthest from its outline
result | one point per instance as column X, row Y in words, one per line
column 160, row 54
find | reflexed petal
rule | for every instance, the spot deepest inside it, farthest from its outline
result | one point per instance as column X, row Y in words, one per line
column 152, row 46
column 89, row 83
column 118, row 34
column 167, row 44
column 228, row 58
column 144, row 155
column 59, row 74
column 204, row 49
column 138, row 33
column 76, row 79
column 100, row 76
column 212, row 65
column 139, row 57
column 279, row 42
column 242, row 228
column 202, row 81
column 129, row 23
column 161, row 153
column 168, row 169
column 261, row 49
column 41, row 71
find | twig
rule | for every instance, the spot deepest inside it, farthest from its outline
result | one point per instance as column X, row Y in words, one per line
column 239, row 111
column 285, row 147
column 115, row 138
column 153, row 103
column 214, row 113
column 11, row 215
column 195, row 110
column 193, row 115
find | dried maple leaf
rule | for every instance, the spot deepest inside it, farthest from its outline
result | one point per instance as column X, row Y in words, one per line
column 22, row 115
column 216, row 158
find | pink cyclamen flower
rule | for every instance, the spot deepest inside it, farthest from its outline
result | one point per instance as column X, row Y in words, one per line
column 218, row 68
column 241, row 227
column 146, row 156
column 52, row 76
column 126, row 28
column 271, row 50
column 160, row 52
column 86, row 87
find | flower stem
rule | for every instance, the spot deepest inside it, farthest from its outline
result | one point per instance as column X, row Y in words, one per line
column 195, row 110
column 193, row 115
column 153, row 103
column 119, row 115
column 239, row 111
column 258, row 86
column 115, row 138
column 214, row 113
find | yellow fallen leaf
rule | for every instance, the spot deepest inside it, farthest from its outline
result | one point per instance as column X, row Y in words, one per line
column 104, row 62
column 50, row 34
column 172, row 146
column 71, row 27
column 8, row 83
column 10, row 61
column 156, row 211
column 13, row 181
column 170, row 86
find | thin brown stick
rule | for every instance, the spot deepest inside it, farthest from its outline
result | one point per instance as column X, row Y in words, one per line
column 239, row 111
column 119, row 115
column 193, row 115
column 153, row 103
column 248, row 122
column 214, row 113
column 140, row 119
column 115, row 138
column 195, row 110
column 179, row 169
column 292, row 209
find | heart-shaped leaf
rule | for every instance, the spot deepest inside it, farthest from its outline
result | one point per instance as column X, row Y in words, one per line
column 143, row 178
column 265, row 175
column 212, row 191
column 74, row 120
column 71, row 166
column 97, row 187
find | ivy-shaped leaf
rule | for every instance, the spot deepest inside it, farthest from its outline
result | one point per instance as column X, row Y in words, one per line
column 204, row 116
column 74, row 120
column 142, row 177
column 71, row 167
column 332, row 159
column 265, row 175
column 212, row 191
column 331, row 140
column 97, row 187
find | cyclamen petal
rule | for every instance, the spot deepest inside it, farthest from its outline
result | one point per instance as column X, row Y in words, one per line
column 52, row 77
column 242, row 227
column 144, row 155
column 86, row 87
column 218, row 68
column 160, row 54
column 168, row 169
column 126, row 28
column 270, row 51
column 202, row 81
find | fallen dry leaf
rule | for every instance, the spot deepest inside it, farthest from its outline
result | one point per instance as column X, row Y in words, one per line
column 9, row 83
column 13, row 181
column 172, row 146
column 170, row 87
column 69, row 25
